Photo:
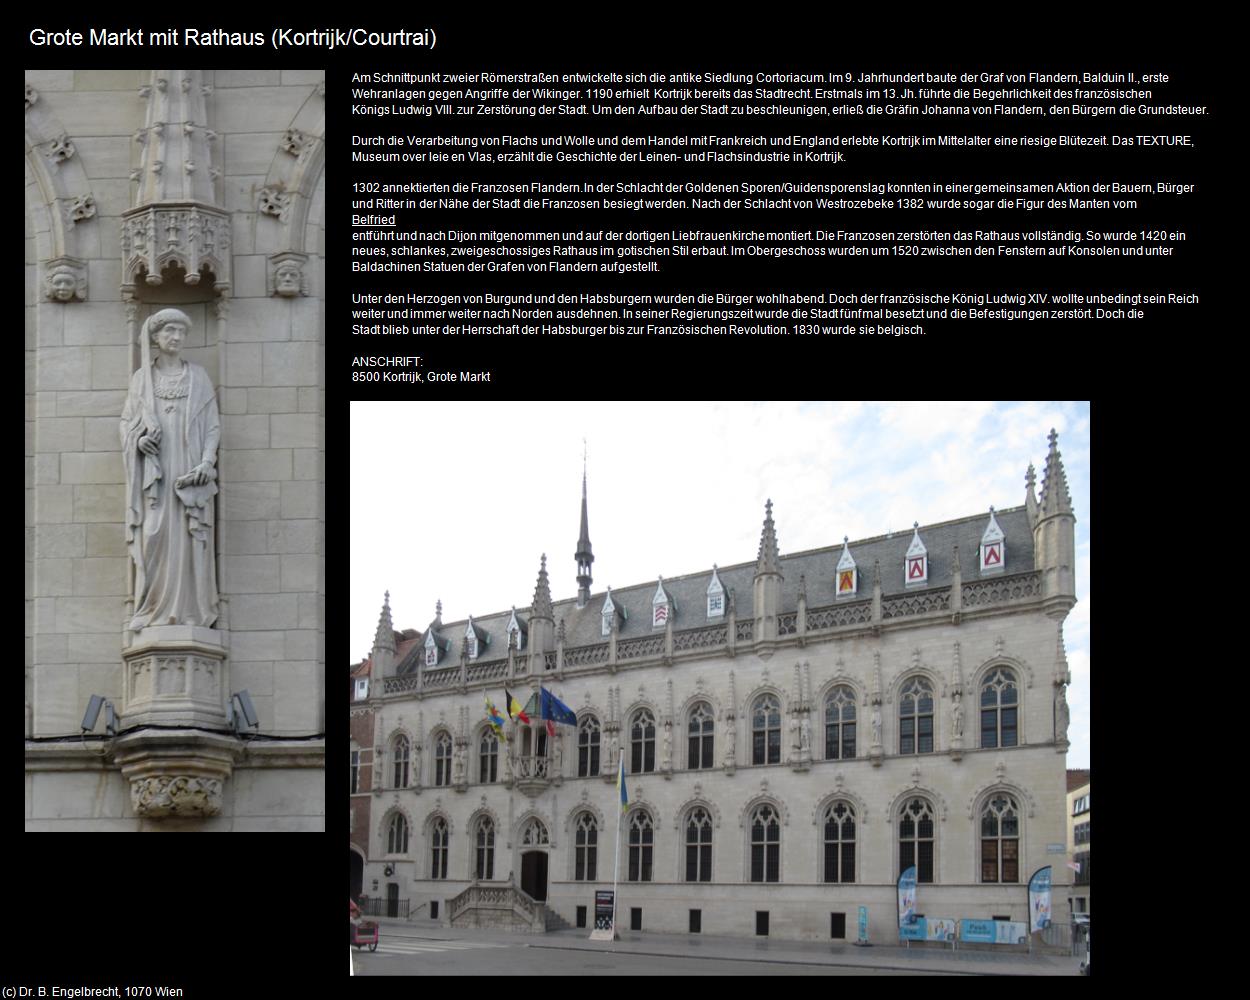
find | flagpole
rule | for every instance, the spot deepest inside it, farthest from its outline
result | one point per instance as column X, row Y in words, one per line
column 616, row 871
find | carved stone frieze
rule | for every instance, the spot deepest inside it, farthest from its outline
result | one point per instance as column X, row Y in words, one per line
column 65, row 280
column 181, row 795
column 189, row 237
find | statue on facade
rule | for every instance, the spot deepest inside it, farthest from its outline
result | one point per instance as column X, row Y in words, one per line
column 957, row 715
column 805, row 734
column 1061, row 713
column 667, row 761
column 876, row 725
column 169, row 430
column 559, row 741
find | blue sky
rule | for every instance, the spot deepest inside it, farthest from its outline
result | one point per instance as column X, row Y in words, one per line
column 457, row 501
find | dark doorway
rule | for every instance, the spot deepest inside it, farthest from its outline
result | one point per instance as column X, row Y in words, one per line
column 534, row 875
column 392, row 899
column 357, row 876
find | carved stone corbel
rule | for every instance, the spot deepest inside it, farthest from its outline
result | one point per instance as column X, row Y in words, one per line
column 288, row 278
column 65, row 280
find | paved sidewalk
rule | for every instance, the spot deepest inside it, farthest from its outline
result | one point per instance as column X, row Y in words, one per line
column 723, row 952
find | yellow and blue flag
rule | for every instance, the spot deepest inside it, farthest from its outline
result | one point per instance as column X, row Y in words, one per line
column 620, row 783
column 494, row 718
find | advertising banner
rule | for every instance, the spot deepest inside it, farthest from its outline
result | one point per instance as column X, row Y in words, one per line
column 978, row 931
column 907, row 897
column 915, row 931
column 1039, row 900
column 940, row 929
column 1011, row 933
column 863, row 925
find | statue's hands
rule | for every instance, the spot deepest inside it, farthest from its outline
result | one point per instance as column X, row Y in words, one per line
column 198, row 476
column 149, row 444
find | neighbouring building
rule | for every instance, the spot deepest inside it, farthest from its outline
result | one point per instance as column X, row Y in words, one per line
column 1078, row 841
column 796, row 731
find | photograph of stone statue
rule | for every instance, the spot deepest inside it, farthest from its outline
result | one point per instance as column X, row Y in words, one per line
column 175, row 449
column 170, row 430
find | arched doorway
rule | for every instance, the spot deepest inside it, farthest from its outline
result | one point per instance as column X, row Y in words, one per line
column 534, row 874
column 357, row 875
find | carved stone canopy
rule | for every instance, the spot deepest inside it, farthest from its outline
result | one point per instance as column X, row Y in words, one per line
column 188, row 237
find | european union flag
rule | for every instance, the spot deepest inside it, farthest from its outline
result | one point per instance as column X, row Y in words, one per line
column 553, row 708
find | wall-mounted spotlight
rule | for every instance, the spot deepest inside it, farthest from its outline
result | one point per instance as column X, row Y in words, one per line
column 244, row 713
column 93, row 713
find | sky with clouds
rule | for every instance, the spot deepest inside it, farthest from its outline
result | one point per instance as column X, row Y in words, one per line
column 457, row 501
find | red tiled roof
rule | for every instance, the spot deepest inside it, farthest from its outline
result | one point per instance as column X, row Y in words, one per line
column 1077, row 778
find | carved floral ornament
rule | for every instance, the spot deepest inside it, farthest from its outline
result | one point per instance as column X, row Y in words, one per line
column 176, row 795
column 275, row 201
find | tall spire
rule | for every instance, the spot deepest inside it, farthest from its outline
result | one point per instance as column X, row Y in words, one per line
column 583, row 555
column 768, row 560
column 1055, row 496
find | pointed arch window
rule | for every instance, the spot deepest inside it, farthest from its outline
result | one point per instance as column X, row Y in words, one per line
column 488, row 757
column 1000, row 840
column 641, row 839
column 766, row 731
column 840, row 843
column 765, row 845
column 442, row 759
column 999, row 707
column 915, row 717
column 585, row 848
column 397, row 835
column 840, row 723
column 699, row 846
column 485, row 860
column 588, row 736
column 642, row 742
column 439, row 836
column 400, row 752
column 915, row 839
column 700, row 731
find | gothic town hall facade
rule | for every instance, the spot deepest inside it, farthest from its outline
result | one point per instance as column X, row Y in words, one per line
column 796, row 732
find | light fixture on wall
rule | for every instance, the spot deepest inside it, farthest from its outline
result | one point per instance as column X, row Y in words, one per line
column 245, row 713
column 93, row 713
column 388, row 871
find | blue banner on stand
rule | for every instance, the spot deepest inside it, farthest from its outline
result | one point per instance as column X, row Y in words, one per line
column 917, row 930
column 978, row 931
column 907, row 897
column 863, row 925
column 1039, row 900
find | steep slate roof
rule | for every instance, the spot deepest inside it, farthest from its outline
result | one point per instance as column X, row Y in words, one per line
column 689, row 592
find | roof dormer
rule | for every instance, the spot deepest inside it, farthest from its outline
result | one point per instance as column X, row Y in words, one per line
column 517, row 631
column 662, row 607
column 846, row 578
column 993, row 548
column 715, row 596
column 475, row 639
column 611, row 611
column 916, row 563
column 435, row 646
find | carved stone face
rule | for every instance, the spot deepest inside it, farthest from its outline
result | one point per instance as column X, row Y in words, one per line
column 170, row 337
column 286, row 279
column 63, row 285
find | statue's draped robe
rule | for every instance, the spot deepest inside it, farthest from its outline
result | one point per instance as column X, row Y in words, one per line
column 169, row 531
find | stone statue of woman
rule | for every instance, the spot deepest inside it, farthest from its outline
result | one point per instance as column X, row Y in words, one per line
column 169, row 430
column 1061, row 713
column 876, row 725
column 957, row 712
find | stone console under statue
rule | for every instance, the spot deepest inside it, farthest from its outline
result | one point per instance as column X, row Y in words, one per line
column 175, row 662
